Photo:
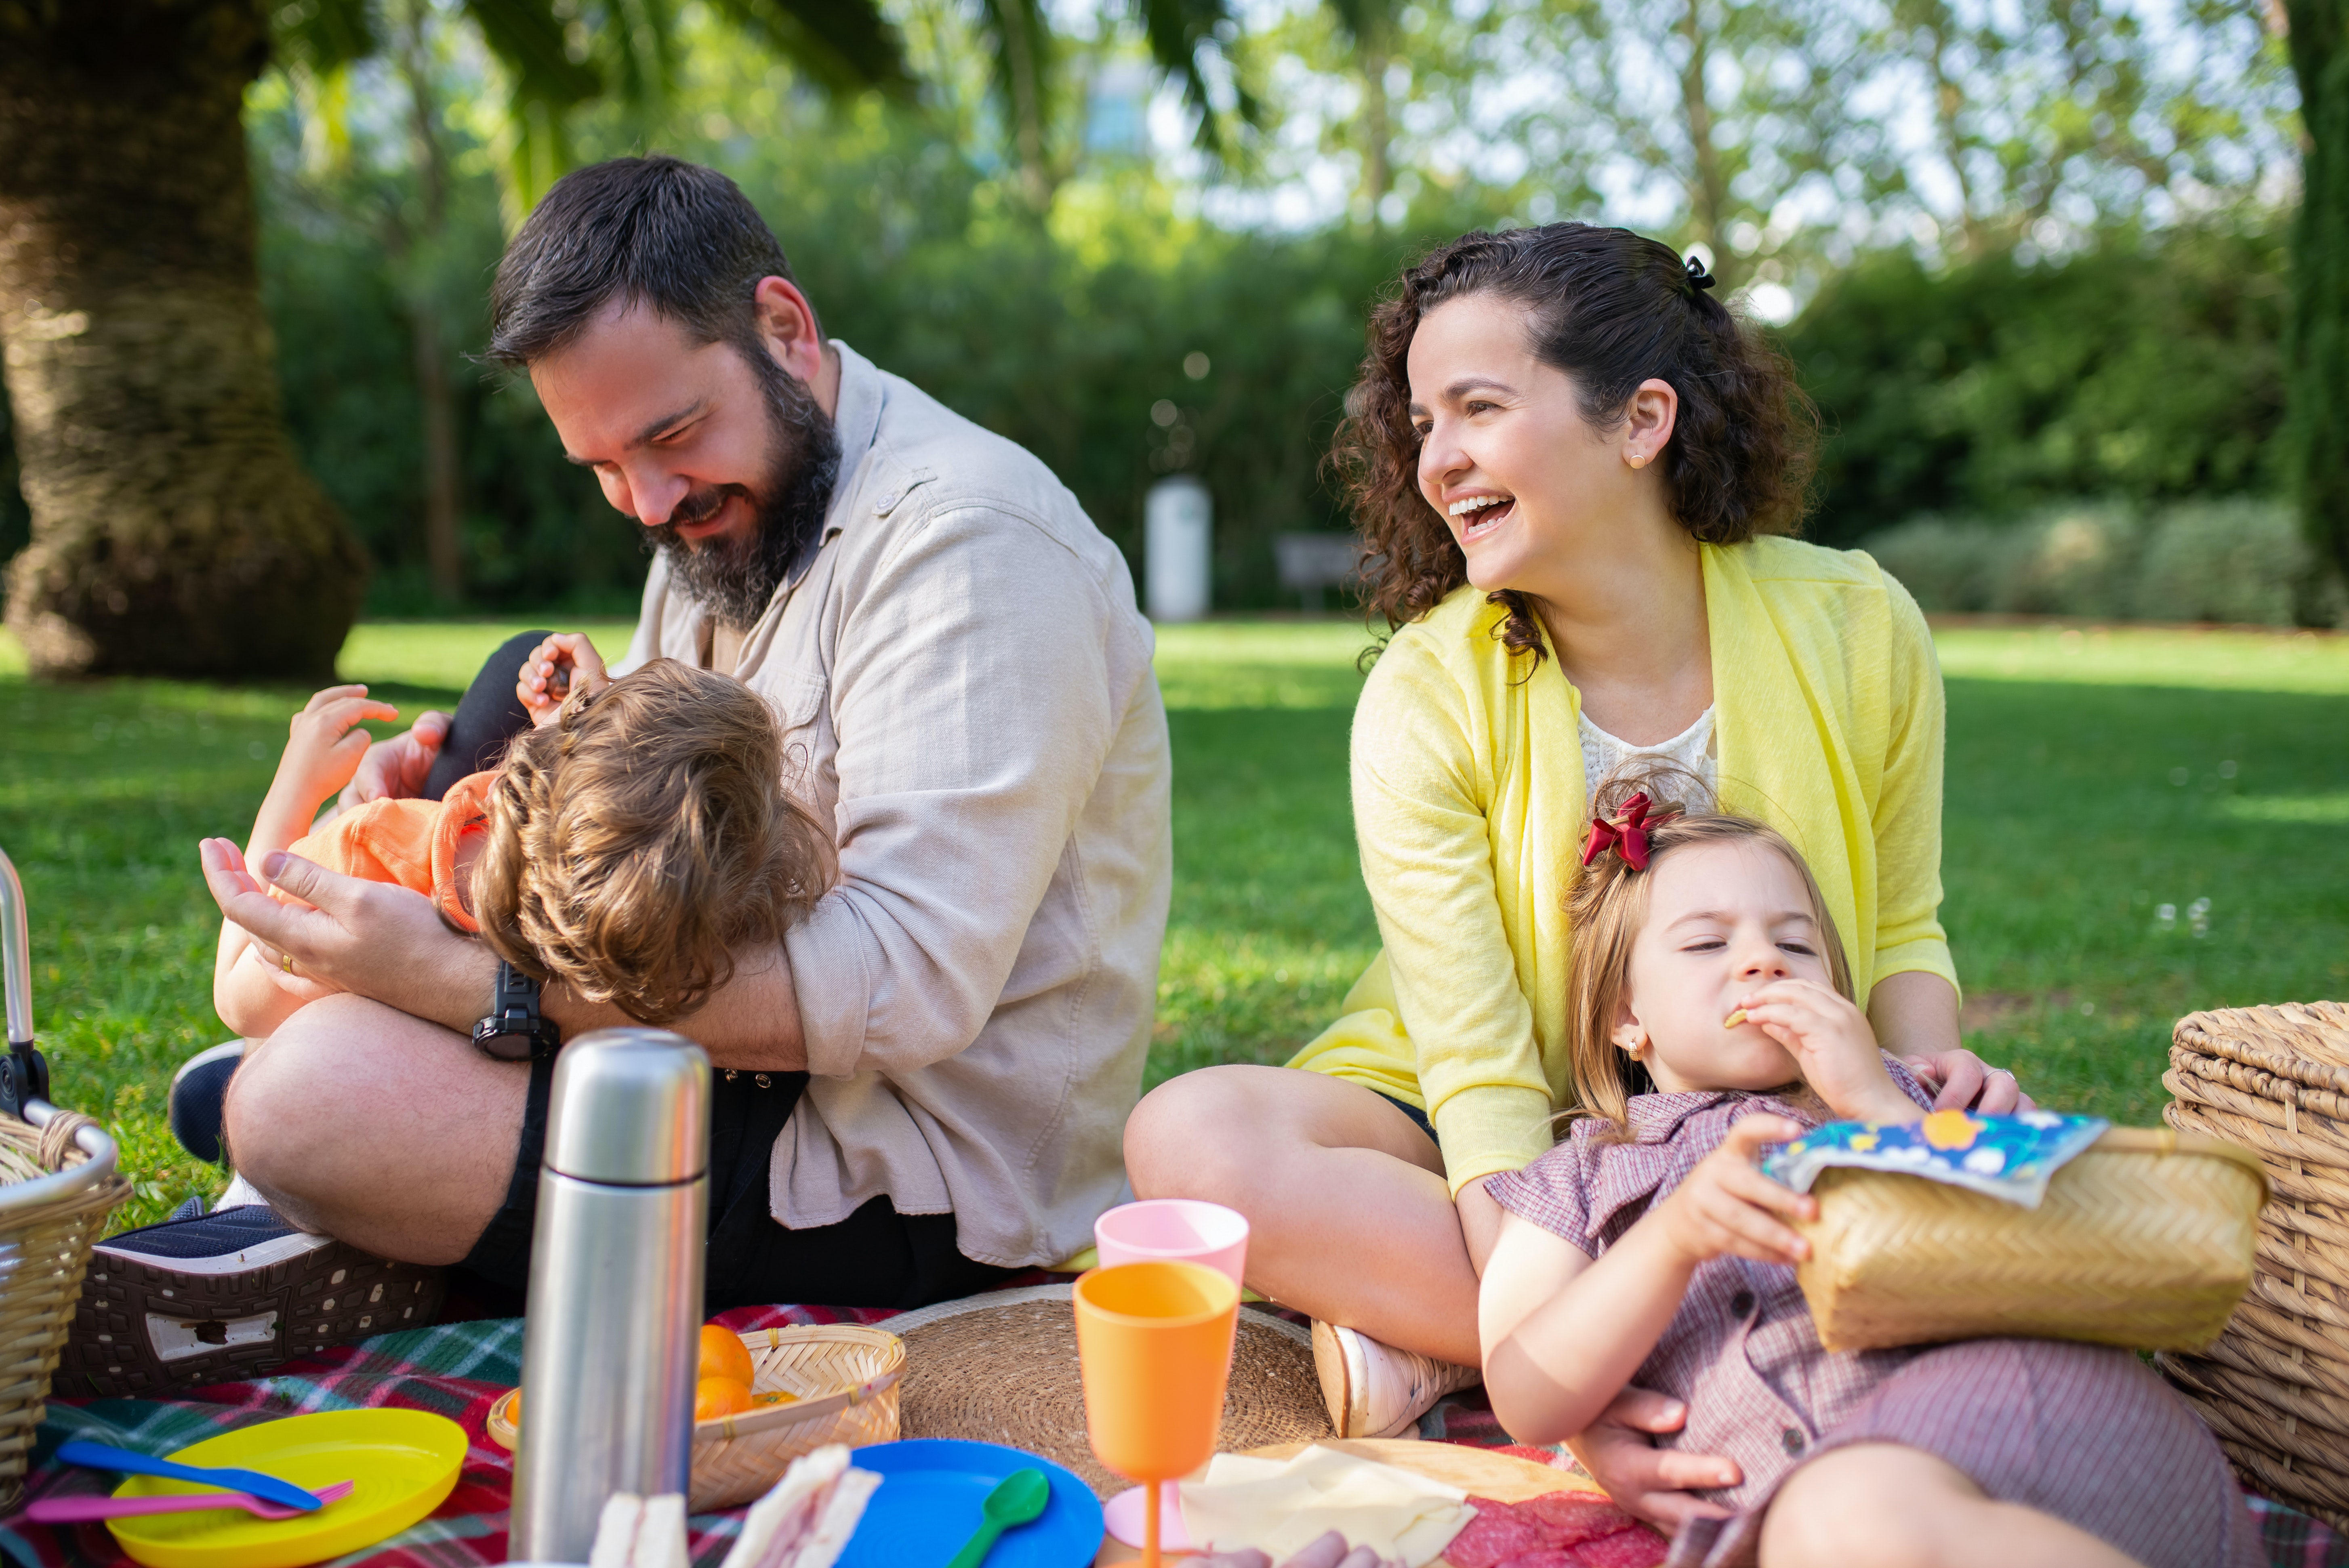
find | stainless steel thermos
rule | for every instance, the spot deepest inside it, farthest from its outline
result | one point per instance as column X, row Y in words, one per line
column 611, row 1343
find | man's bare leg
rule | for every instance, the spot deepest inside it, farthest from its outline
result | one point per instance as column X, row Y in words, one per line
column 361, row 1122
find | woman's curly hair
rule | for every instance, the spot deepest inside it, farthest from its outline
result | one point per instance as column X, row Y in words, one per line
column 1611, row 310
column 641, row 840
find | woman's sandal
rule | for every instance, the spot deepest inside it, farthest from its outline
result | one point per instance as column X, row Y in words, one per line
column 1374, row 1390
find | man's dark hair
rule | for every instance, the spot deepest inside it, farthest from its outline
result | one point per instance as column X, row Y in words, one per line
column 646, row 231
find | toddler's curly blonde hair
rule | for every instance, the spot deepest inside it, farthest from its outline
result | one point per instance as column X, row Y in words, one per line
column 643, row 839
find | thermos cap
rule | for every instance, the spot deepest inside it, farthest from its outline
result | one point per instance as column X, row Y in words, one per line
column 630, row 1108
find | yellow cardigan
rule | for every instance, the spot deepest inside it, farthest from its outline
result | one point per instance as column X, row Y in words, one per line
column 1469, row 804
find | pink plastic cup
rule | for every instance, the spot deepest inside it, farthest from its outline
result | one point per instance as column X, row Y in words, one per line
column 1174, row 1230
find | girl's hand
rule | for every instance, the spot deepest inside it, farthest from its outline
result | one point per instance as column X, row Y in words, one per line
column 324, row 745
column 1832, row 1043
column 1726, row 1206
column 565, row 662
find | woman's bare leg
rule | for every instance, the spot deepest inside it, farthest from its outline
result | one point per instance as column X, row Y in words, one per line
column 1894, row 1507
column 1349, row 1216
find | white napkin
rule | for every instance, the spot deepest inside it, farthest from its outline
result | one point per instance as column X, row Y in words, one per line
column 1281, row 1506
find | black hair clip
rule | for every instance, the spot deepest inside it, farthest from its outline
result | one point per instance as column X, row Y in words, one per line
column 1698, row 276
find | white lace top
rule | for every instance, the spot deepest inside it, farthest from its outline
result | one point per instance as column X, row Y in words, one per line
column 1692, row 748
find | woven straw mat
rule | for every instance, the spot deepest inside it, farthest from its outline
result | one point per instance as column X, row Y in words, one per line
column 1002, row 1369
column 2275, row 1387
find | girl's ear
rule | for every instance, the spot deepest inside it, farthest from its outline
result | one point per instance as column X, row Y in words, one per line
column 1631, row 1037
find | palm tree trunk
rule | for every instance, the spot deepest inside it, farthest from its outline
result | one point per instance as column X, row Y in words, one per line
column 1378, row 133
column 444, row 545
column 173, row 530
column 1708, row 186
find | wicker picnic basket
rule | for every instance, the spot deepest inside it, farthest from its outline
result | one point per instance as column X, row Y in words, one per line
column 2145, row 1239
column 845, row 1378
column 58, row 1185
column 2275, row 1387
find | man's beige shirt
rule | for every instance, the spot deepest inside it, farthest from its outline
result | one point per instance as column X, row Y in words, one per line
column 966, row 695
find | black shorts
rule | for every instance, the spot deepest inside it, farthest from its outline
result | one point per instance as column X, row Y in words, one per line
column 1418, row 1117
column 875, row 1257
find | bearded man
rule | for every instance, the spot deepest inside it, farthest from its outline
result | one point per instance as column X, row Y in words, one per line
column 920, row 1090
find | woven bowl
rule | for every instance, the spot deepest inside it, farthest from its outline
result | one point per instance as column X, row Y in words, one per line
column 2144, row 1240
column 845, row 1376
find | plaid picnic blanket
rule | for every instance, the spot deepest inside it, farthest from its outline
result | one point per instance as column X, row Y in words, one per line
column 459, row 1369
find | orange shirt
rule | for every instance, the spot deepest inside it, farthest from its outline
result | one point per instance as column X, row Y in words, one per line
column 410, row 843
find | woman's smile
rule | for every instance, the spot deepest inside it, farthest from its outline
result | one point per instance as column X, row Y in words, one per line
column 1478, row 516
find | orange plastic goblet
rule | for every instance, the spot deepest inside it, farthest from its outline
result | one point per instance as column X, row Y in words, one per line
column 1156, row 1343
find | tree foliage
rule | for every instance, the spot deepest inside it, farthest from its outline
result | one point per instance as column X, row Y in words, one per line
column 2319, row 344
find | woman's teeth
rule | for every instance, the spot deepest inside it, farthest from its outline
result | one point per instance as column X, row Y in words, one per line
column 1480, row 514
column 1467, row 504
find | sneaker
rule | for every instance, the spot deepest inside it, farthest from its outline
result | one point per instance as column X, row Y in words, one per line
column 199, row 1091
column 1376, row 1390
column 224, row 1296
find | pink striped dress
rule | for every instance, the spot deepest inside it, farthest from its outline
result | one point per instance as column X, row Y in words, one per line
column 2084, row 1433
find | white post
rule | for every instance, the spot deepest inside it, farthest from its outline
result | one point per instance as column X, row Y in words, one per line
column 1178, row 555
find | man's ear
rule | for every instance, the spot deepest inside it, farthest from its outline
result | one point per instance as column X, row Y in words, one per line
column 788, row 326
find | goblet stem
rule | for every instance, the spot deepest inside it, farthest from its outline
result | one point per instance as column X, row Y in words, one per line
column 1150, row 1527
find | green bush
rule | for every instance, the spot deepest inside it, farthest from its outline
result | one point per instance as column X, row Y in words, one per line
column 2243, row 561
column 2146, row 370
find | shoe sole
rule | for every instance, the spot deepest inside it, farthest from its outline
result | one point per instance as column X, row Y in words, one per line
column 1345, row 1380
column 147, row 1326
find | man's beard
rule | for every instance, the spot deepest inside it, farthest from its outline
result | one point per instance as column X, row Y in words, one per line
column 734, row 580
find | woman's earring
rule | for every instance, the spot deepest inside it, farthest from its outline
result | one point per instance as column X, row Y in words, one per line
column 1639, row 462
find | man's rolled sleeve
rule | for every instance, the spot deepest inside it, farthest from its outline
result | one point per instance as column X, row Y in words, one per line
column 970, row 692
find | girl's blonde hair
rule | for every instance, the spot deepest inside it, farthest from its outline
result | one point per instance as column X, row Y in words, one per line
column 641, row 839
column 1606, row 904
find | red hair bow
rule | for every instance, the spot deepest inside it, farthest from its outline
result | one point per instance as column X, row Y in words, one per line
column 1628, row 834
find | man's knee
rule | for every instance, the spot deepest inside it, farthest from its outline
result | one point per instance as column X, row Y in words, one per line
column 1191, row 1136
column 288, row 1107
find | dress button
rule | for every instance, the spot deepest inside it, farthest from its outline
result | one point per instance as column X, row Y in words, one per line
column 1794, row 1439
column 1742, row 1303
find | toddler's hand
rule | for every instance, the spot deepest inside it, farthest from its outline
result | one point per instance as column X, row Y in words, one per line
column 326, row 745
column 1831, row 1041
column 1727, row 1206
column 565, row 662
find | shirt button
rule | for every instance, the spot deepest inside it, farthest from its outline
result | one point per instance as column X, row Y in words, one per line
column 1794, row 1439
column 1742, row 1303
column 886, row 502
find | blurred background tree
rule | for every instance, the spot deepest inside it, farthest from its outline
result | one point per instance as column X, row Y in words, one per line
column 2022, row 253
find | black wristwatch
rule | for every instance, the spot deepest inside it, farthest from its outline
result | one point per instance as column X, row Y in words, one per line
column 515, row 1031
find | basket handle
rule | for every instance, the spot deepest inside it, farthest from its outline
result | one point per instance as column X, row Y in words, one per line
column 70, row 1183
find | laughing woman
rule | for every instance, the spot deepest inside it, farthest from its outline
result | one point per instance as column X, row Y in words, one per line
column 1574, row 470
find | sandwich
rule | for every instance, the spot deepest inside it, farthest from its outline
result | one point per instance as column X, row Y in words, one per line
column 807, row 1520
column 640, row 1533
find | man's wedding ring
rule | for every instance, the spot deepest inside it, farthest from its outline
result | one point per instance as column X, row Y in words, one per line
column 285, row 962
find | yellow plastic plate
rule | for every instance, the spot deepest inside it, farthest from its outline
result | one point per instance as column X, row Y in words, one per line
column 404, row 1462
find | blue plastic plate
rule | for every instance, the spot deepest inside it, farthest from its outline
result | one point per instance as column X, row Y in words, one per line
column 929, row 1499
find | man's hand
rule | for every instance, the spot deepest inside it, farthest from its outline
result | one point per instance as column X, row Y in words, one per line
column 372, row 939
column 395, row 769
column 1961, row 1080
column 1655, row 1484
column 565, row 662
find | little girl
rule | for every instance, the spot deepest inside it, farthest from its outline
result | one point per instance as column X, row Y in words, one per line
column 628, row 846
column 1648, row 1248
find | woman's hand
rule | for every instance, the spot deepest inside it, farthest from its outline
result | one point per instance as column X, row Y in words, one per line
column 1659, row 1485
column 1831, row 1042
column 1961, row 1080
column 565, row 662
column 1726, row 1206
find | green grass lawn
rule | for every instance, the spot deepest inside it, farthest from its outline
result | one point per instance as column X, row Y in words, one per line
column 2095, row 778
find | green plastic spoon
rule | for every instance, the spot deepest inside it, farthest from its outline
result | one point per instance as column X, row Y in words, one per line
column 1018, row 1499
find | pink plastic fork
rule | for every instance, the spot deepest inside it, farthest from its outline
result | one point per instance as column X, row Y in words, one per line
column 87, row 1509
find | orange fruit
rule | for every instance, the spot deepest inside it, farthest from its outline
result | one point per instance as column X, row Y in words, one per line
column 723, row 1354
column 513, row 1411
column 716, row 1397
column 777, row 1397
